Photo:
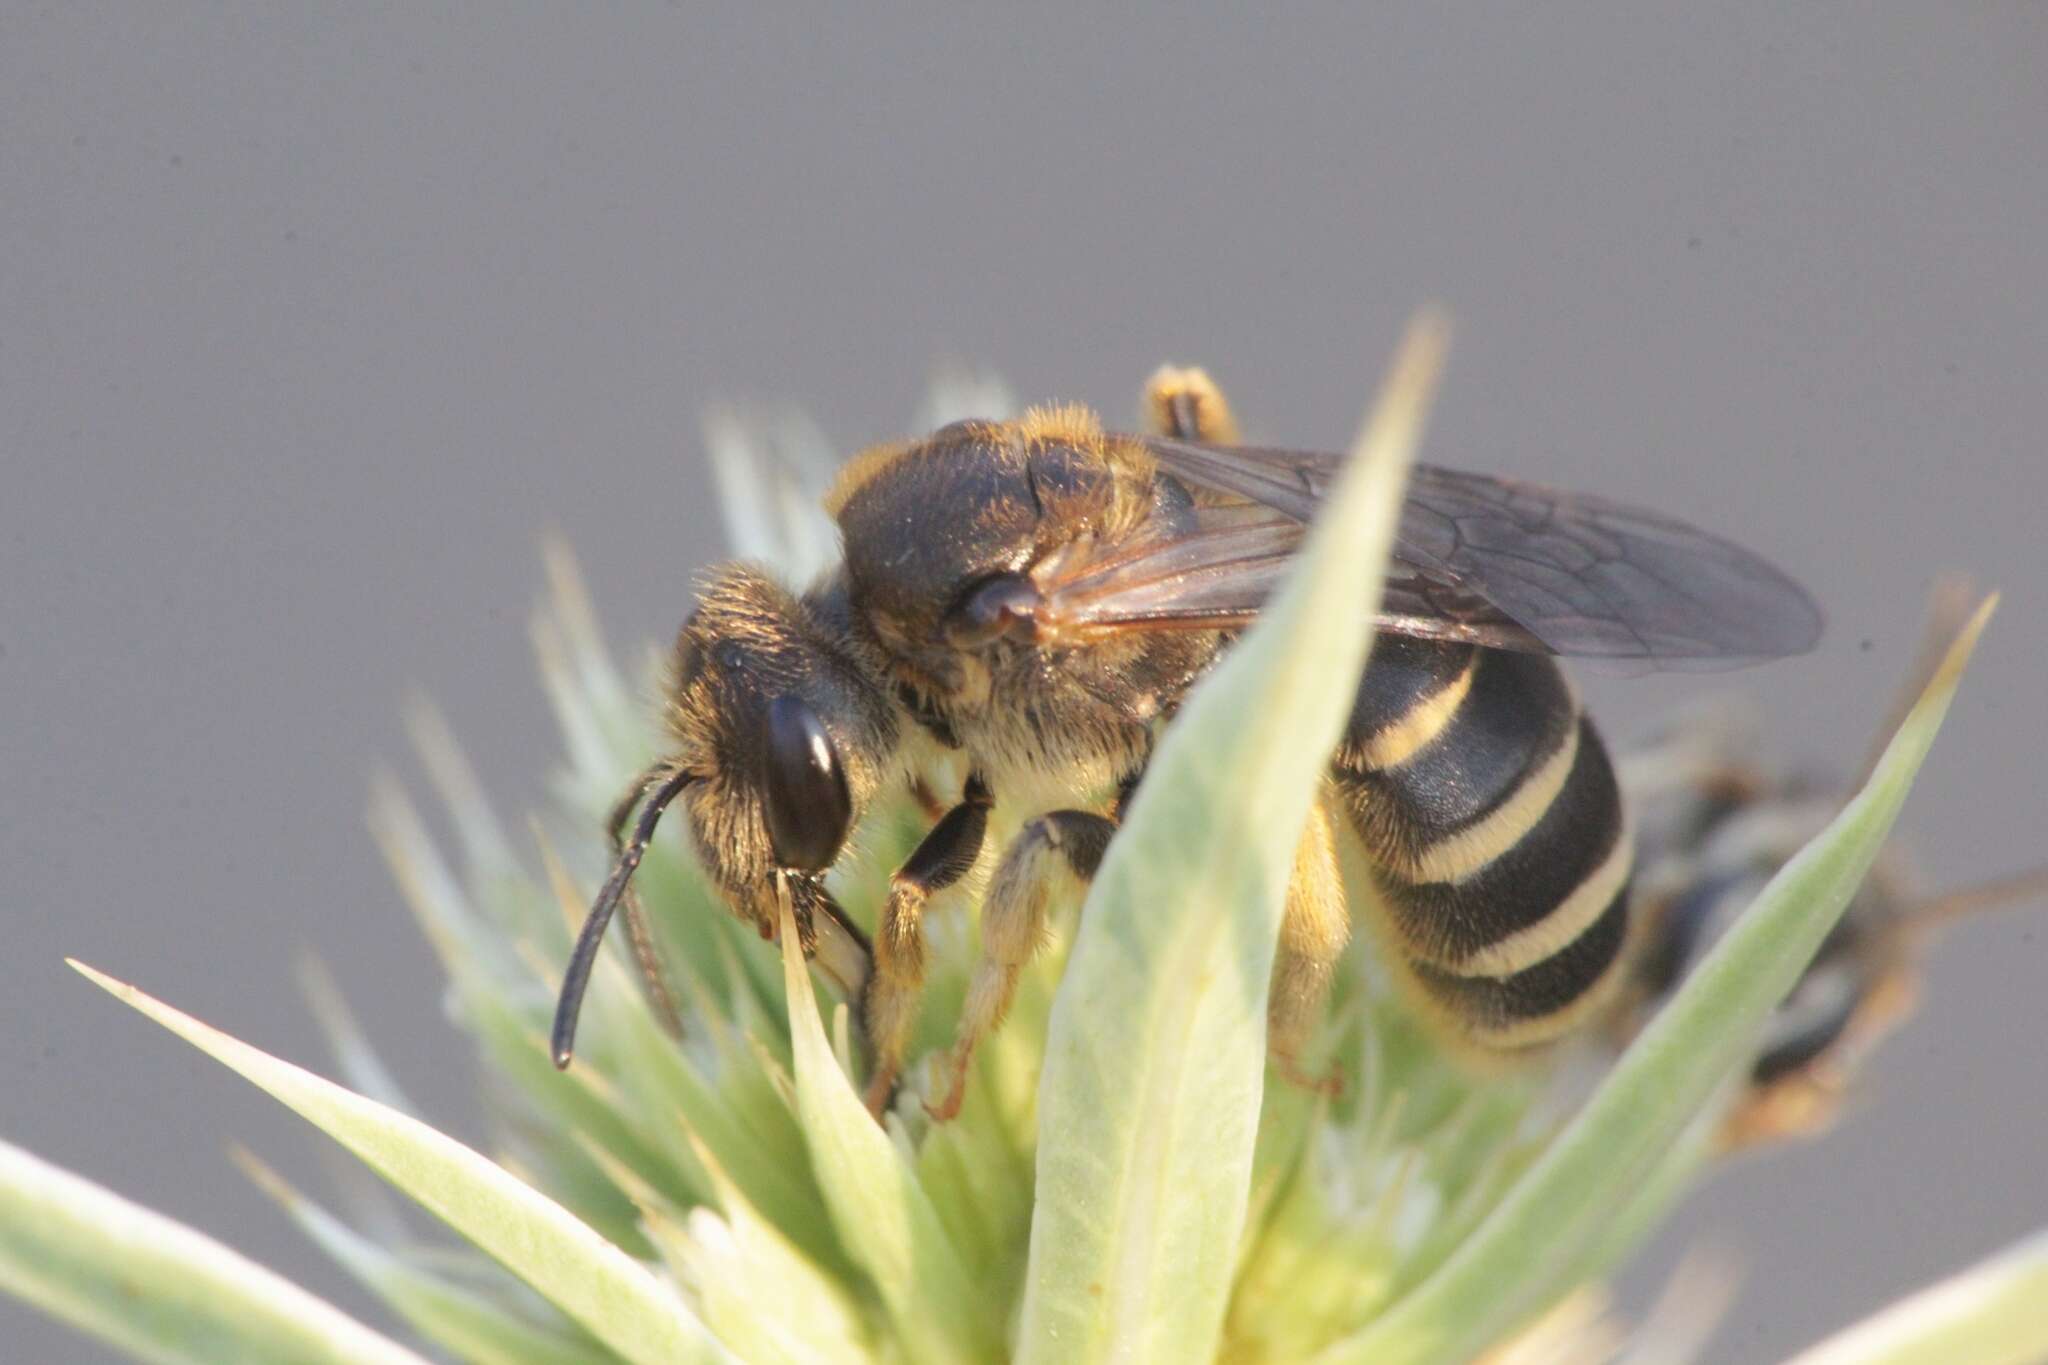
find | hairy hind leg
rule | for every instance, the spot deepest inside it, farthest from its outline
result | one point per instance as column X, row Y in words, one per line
column 889, row 1005
column 1313, row 931
column 1059, row 849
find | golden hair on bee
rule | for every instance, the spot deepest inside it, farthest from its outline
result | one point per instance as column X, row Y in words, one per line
column 1067, row 424
column 1184, row 401
column 861, row 470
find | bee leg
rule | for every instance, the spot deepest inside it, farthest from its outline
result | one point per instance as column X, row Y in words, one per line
column 927, row 799
column 1063, row 846
column 889, row 1005
column 646, row 955
column 1185, row 404
column 1314, row 928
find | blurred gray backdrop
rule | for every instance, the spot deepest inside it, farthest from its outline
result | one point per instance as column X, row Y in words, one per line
column 313, row 318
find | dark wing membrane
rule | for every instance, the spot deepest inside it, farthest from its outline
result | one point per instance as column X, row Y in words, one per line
column 1496, row 562
column 1208, row 568
column 1214, row 567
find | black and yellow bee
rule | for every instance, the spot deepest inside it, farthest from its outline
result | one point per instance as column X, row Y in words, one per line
column 1713, row 826
column 1029, row 602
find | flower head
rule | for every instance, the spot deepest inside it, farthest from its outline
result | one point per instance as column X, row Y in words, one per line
column 1124, row 1179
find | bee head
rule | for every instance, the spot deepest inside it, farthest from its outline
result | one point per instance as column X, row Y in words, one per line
column 779, row 737
column 786, row 730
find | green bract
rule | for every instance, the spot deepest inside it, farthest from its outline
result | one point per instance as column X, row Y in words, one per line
column 1125, row 1181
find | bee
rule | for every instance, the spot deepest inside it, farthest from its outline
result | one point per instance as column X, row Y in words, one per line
column 1031, row 600
column 1714, row 826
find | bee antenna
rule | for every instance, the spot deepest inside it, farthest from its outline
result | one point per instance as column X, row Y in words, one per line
column 576, row 980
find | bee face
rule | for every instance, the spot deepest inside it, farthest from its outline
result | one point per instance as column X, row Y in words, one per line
column 787, row 733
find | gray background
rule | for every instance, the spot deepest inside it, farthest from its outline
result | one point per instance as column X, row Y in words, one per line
column 311, row 321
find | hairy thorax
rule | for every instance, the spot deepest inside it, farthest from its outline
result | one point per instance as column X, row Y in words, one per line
column 1042, row 722
column 1052, row 728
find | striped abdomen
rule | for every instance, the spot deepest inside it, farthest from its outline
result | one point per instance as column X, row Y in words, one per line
column 1490, row 816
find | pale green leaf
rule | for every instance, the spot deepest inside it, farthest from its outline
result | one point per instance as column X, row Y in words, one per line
column 156, row 1288
column 1994, row 1313
column 981, row 1187
column 941, row 1315
column 477, row 1328
column 663, row 1087
column 728, row 1256
column 1563, row 1205
column 619, row 1300
column 1155, row 1054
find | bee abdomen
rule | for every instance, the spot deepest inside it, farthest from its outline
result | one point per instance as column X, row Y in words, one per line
column 1489, row 811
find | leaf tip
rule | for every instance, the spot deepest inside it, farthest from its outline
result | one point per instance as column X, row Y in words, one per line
column 140, row 1000
column 1393, row 425
column 1429, row 333
column 1419, row 359
column 120, row 990
column 804, row 1028
column 1942, row 681
column 1959, row 651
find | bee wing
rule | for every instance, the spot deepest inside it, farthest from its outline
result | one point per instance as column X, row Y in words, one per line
column 1486, row 560
column 1200, row 570
column 1214, row 567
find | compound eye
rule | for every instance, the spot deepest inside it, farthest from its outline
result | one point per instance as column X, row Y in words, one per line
column 807, row 805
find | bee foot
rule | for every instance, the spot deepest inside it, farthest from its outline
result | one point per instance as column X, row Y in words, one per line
column 948, row 1107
